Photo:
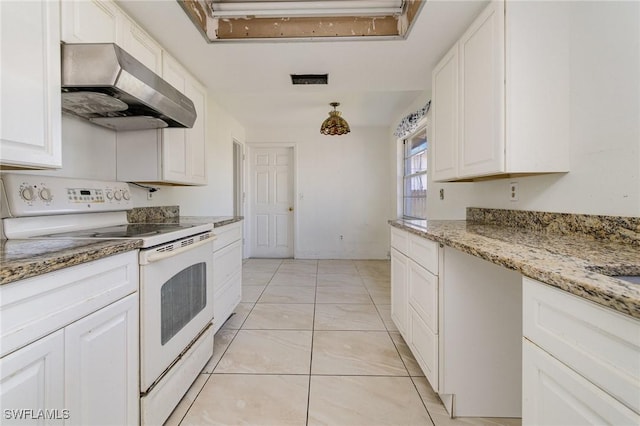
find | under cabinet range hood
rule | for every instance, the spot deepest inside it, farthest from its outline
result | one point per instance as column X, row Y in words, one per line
column 109, row 87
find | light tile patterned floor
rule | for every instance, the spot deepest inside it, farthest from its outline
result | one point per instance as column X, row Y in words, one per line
column 312, row 343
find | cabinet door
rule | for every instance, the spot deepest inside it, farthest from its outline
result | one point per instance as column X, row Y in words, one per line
column 554, row 394
column 399, row 292
column 142, row 47
column 101, row 355
column 196, row 136
column 33, row 378
column 424, row 345
column 91, row 21
column 482, row 91
column 30, row 112
column 444, row 143
column 183, row 150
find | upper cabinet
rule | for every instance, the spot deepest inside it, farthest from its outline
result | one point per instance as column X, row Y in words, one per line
column 93, row 21
column 30, row 117
column 501, row 95
column 184, row 149
column 175, row 156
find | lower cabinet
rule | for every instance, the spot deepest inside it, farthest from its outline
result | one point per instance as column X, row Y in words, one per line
column 227, row 272
column 554, row 394
column 399, row 292
column 424, row 345
column 414, row 298
column 33, row 378
column 581, row 361
column 101, row 385
column 70, row 345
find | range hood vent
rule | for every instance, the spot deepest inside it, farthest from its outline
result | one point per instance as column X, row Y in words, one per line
column 109, row 87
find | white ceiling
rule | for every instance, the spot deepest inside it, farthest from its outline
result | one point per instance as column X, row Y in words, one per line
column 373, row 80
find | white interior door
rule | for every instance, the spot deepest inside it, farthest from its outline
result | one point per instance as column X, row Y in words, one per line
column 271, row 195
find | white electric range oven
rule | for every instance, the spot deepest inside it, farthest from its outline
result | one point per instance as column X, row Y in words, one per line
column 176, row 273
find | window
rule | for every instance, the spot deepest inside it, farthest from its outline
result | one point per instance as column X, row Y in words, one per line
column 414, row 205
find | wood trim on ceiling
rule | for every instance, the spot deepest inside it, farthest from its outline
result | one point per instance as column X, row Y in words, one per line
column 336, row 27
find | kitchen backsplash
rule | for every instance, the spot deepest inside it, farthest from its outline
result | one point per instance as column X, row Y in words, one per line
column 613, row 228
column 153, row 214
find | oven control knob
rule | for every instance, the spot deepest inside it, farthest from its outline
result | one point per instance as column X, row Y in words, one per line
column 27, row 193
column 109, row 195
column 117, row 195
column 126, row 195
column 45, row 194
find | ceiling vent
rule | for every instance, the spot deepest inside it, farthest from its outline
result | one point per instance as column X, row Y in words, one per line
column 309, row 78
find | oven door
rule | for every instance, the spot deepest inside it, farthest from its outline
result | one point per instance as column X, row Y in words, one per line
column 176, row 304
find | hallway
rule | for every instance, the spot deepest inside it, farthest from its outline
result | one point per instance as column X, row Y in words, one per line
column 313, row 343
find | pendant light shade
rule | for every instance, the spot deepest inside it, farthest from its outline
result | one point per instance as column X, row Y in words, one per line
column 334, row 125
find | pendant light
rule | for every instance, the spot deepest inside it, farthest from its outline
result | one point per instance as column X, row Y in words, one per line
column 334, row 125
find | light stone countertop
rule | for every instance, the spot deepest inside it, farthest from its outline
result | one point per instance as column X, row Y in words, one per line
column 574, row 263
column 20, row 259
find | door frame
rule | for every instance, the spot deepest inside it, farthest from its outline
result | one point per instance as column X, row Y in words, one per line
column 249, row 172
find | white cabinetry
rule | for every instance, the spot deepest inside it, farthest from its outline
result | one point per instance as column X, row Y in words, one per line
column 70, row 341
column 33, row 378
column 581, row 362
column 102, row 349
column 444, row 118
column 227, row 272
column 414, row 297
column 175, row 156
column 30, row 112
column 399, row 280
column 91, row 21
column 100, row 21
column 141, row 46
column 183, row 150
column 399, row 291
column 501, row 94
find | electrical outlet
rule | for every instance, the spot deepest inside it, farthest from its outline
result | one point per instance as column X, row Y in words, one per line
column 149, row 195
column 514, row 192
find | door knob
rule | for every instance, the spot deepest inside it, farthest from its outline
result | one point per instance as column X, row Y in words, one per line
column 290, row 209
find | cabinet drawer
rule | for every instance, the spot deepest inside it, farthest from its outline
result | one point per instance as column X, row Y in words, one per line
column 554, row 394
column 423, row 294
column 226, row 235
column 424, row 252
column 598, row 343
column 35, row 307
column 226, row 262
column 400, row 240
column 424, row 345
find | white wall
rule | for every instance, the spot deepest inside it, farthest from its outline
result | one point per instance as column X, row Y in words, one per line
column 605, row 126
column 342, row 189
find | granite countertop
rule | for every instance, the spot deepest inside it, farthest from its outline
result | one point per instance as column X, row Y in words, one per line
column 20, row 259
column 577, row 264
column 217, row 221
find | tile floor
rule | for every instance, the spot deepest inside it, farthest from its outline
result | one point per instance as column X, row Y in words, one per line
column 312, row 343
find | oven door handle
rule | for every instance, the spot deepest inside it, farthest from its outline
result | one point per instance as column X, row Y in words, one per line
column 166, row 254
